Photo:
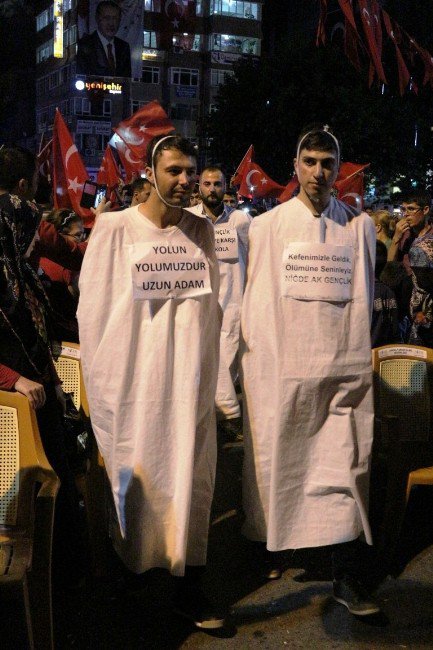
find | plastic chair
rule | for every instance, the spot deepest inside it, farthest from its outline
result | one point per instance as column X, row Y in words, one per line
column 423, row 476
column 403, row 427
column 94, row 488
column 28, row 490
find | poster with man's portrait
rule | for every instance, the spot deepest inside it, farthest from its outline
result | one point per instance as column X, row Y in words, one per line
column 110, row 38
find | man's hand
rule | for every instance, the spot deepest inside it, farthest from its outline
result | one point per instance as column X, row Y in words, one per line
column 34, row 392
column 401, row 227
column 104, row 206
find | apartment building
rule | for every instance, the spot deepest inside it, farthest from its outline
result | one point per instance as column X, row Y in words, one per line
column 182, row 71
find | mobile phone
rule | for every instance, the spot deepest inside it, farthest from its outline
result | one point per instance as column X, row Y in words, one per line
column 89, row 194
column 101, row 193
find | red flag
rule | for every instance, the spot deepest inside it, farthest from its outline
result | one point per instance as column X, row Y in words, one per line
column 373, row 33
column 321, row 34
column 257, row 184
column 350, row 184
column 177, row 17
column 44, row 159
column 393, row 31
column 132, row 165
column 289, row 190
column 240, row 171
column 109, row 174
column 142, row 126
column 351, row 36
column 69, row 173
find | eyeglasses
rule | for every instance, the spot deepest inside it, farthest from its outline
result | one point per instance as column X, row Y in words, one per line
column 410, row 209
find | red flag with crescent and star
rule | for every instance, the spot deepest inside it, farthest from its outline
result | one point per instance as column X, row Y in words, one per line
column 132, row 165
column 44, row 158
column 373, row 33
column 69, row 172
column 237, row 177
column 257, row 184
column 395, row 35
column 142, row 126
column 350, row 184
column 176, row 17
column 289, row 190
column 109, row 173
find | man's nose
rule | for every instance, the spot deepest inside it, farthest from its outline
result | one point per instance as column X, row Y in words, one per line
column 318, row 170
column 184, row 178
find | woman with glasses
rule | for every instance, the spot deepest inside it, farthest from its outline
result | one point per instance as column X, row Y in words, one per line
column 62, row 283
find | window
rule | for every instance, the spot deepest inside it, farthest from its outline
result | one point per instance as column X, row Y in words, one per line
column 152, row 5
column 184, row 112
column 150, row 75
column 79, row 106
column 183, row 77
column 44, row 18
column 106, row 107
column 44, row 51
column 136, row 104
column 149, row 40
column 72, row 34
column 218, row 77
column 187, row 42
column 236, row 9
column 69, row 4
column 53, row 80
column 235, row 44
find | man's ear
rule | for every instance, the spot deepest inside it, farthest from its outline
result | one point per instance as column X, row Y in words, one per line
column 149, row 175
column 22, row 186
column 295, row 164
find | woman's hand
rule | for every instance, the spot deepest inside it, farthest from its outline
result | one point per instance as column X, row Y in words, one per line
column 34, row 392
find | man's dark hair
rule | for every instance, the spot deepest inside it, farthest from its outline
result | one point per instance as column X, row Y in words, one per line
column 419, row 196
column 138, row 184
column 172, row 142
column 107, row 3
column 315, row 137
column 16, row 163
column 212, row 169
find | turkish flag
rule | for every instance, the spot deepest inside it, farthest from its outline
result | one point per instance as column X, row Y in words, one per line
column 394, row 32
column 44, row 159
column 176, row 17
column 257, row 184
column 240, row 171
column 350, row 184
column 69, row 172
column 289, row 190
column 109, row 174
column 142, row 126
column 373, row 33
column 351, row 36
column 321, row 34
column 132, row 165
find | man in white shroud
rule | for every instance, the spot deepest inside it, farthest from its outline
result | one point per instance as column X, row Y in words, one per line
column 149, row 331
column 307, row 373
column 231, row 247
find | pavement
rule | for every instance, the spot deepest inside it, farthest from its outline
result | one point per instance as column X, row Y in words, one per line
column 123, row 611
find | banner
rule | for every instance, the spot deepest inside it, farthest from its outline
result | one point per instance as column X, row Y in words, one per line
column 110, row 38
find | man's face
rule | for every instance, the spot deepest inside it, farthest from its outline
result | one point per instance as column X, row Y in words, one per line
column 176, row 175
column 414, row 213
column 142, row 195
column 212, row 186
column 108, row 21
column 316, row 171
column 230, row 200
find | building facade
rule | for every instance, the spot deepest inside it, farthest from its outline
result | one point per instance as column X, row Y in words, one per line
column 182, row 72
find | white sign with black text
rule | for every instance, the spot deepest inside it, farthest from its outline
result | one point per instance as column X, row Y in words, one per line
column 226, row 243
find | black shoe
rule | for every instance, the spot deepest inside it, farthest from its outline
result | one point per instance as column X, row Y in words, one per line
column 191, row 603
column 350, row 593
column 272, row 565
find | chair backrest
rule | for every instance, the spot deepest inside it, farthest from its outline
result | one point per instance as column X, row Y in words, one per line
column 68, row 368
column 403, row 388
column 22, row 460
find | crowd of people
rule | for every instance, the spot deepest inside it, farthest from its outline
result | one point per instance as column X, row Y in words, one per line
column 182, row 303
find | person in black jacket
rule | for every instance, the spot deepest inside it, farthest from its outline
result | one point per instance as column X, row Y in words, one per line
column 102, row 53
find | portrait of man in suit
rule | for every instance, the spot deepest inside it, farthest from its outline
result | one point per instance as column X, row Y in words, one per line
column 102, row 53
